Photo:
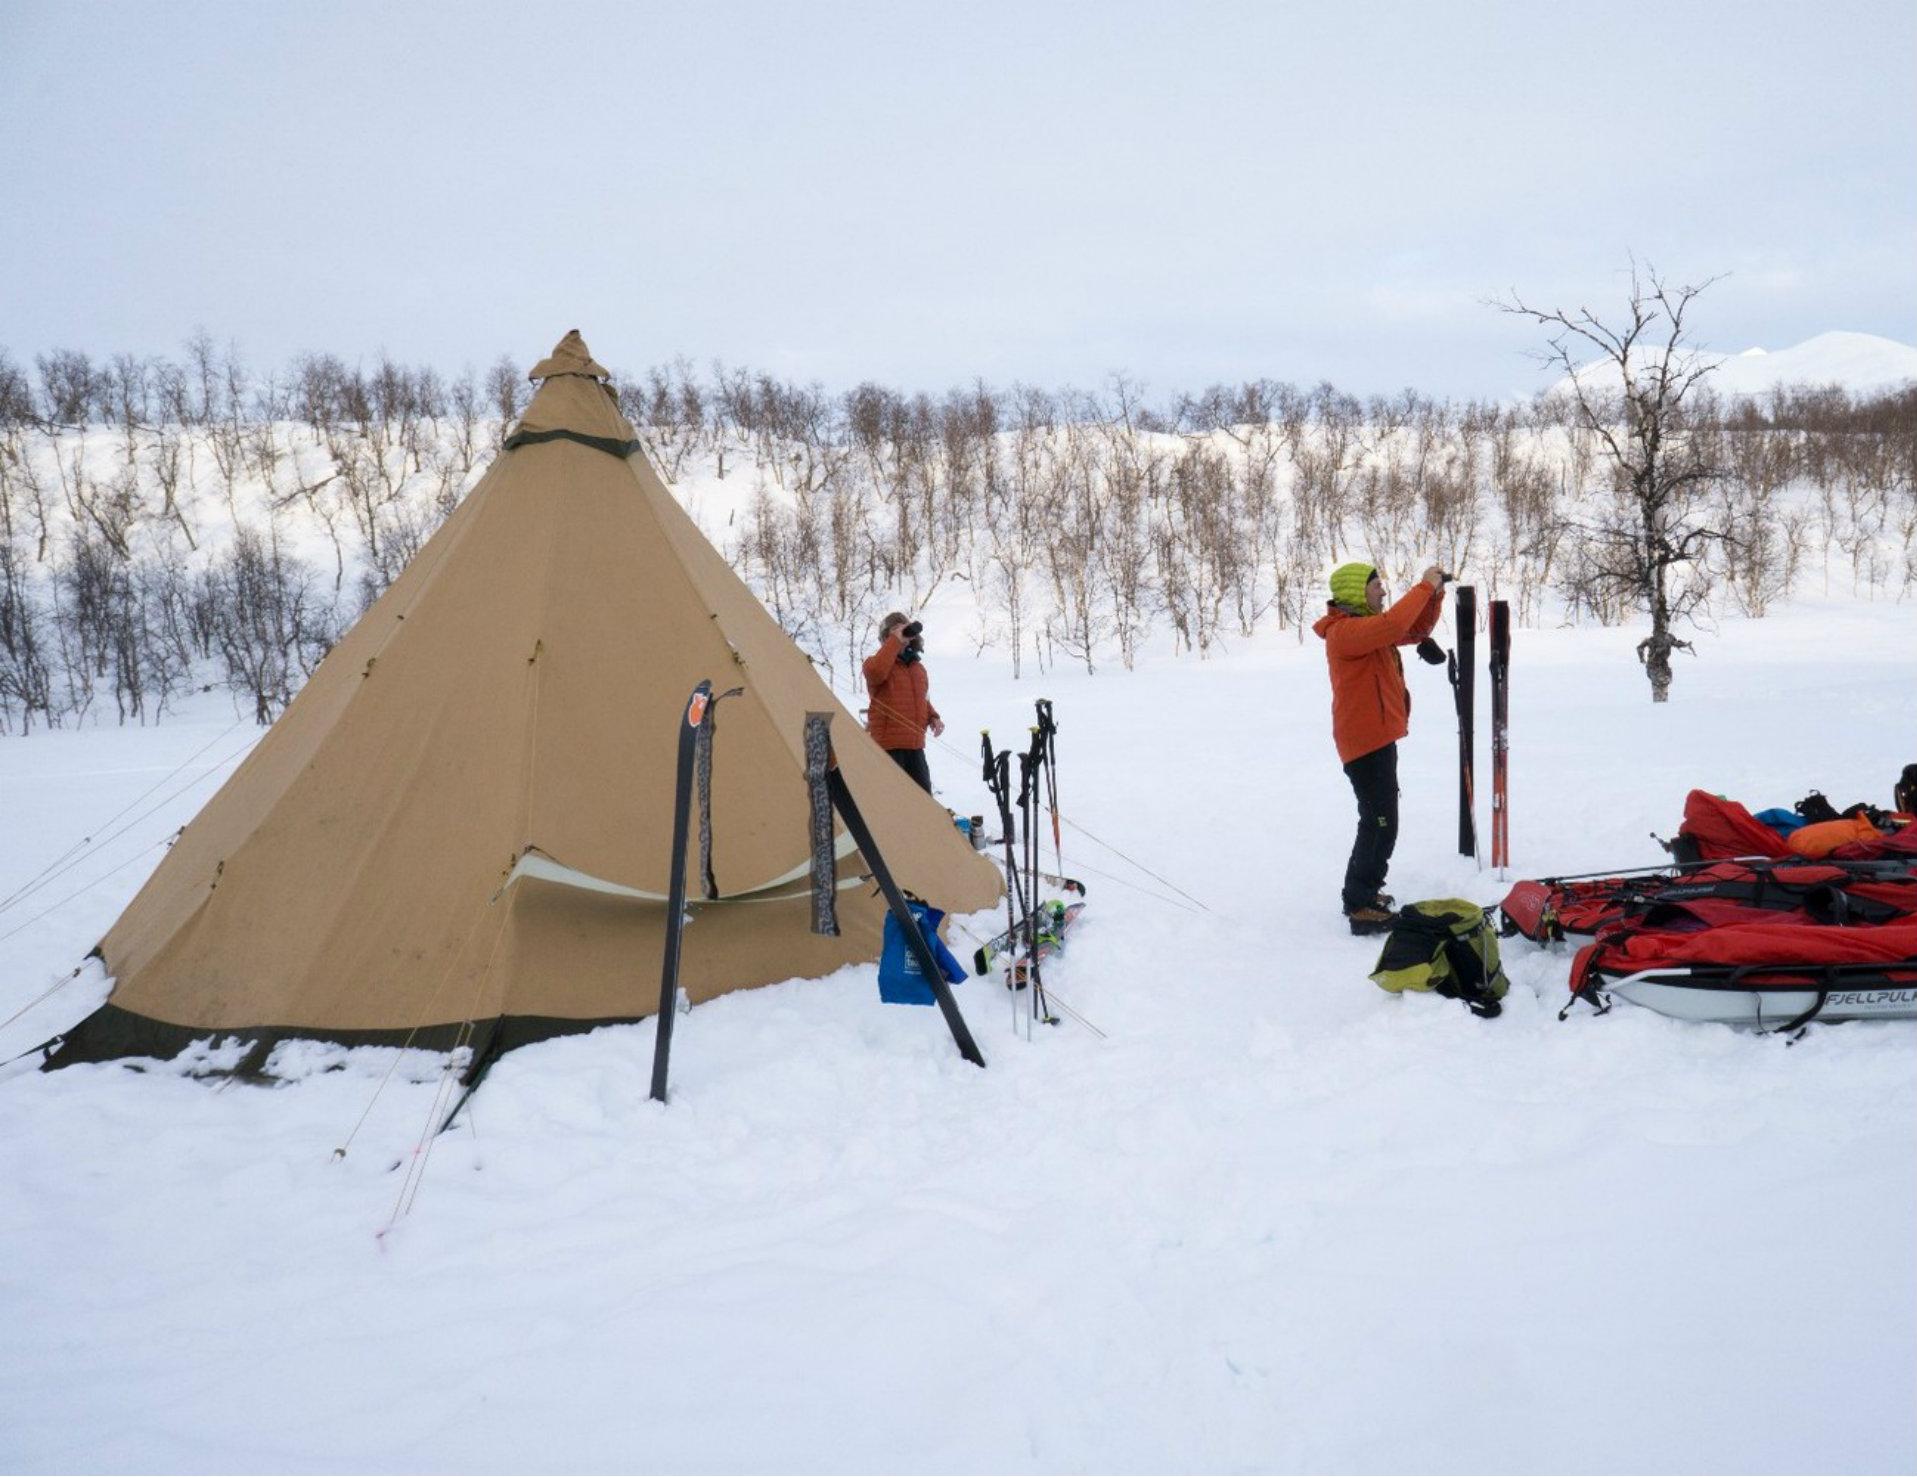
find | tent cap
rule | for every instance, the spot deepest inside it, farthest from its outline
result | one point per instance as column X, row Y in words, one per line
column 570, row 356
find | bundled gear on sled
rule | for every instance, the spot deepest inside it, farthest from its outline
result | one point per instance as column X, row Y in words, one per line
column 1446, row 946
column 1771, row 920
column 1717, row 829
column 1551, row 908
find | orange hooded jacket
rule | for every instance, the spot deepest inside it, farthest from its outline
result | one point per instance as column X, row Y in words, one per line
column 1369, row 704
column 901, row 709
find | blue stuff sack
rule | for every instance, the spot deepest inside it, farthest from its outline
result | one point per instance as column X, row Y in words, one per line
column 901, row 982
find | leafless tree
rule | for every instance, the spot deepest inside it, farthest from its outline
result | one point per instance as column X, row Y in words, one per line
column 1640, row 402
column 506, row 391
column 270, row 628
column 26, row 676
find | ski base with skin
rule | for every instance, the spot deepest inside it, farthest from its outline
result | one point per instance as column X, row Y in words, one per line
column 1500, row 733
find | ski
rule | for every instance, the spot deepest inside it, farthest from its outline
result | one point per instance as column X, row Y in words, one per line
column 861, row 834
column 1053, row 879
column 1012, row 939
column 1054, row 923
column 1461, row 667
column 675, row 888
column 1500, row 733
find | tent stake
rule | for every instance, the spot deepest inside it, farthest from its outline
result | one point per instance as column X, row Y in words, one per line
column 676, row 891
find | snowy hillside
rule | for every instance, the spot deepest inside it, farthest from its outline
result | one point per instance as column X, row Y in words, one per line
column 160, row 530
column 1267, row 1218
column 1862, row 363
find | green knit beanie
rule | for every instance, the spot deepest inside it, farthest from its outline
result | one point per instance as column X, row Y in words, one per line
column 1348, row 583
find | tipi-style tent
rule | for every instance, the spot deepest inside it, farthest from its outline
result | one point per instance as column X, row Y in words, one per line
column 460, row 829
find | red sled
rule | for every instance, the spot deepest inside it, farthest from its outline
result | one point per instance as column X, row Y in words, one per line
column 1778, row 974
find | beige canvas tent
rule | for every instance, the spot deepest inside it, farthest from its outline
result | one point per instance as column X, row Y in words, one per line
column 460, row 829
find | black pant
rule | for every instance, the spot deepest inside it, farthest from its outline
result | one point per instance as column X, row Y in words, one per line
column 1374, row 779
column 912, row 761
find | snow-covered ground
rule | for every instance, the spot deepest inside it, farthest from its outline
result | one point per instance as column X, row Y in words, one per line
column 1272, row 1219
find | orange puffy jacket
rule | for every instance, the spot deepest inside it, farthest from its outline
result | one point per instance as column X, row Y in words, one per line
column 1369, row 704
column 900, row 709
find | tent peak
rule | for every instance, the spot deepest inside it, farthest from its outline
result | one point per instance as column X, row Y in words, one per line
column 570, row 356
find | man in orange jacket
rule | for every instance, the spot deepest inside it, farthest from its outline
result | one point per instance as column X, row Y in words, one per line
column 901, row 709
column 1371, row 711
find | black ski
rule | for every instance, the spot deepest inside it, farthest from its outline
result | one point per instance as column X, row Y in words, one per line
column 1500, row 733
column 1461, row 668
column 676, row 889
column 861, row 834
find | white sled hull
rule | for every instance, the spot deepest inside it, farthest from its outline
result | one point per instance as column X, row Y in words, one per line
column 1767, row 1009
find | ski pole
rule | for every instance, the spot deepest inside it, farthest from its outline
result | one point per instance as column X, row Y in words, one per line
column 1049, row 729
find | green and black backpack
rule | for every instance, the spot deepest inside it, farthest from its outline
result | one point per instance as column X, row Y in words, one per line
column 1447, row 946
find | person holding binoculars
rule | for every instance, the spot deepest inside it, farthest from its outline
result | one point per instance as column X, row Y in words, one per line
column 901, row 710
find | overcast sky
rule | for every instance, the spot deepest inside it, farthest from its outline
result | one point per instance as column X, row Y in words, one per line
column 921, row 193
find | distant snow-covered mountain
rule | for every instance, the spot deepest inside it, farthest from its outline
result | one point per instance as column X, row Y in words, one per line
column 1862, row 363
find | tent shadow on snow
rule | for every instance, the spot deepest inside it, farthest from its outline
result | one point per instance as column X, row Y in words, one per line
column 459, row 832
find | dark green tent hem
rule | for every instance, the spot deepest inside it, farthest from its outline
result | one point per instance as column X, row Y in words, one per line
column 112, row 1034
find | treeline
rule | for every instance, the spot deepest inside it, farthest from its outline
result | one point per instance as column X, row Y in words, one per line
column 167, row 523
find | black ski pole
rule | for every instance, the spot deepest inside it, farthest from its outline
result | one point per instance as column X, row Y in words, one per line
column 999, row 781
column 676, row 888
column 1049, row 729
column 1030, row 768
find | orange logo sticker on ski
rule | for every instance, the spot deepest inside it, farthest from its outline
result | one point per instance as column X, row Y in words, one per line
column 695, row 715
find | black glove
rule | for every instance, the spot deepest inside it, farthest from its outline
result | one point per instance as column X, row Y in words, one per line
column 915, row 629
column 910, row 655
column 1430, row 651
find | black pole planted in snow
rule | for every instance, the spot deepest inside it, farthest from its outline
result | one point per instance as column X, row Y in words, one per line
column 676, row 889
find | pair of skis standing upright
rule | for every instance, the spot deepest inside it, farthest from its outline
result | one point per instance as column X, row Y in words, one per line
column 1461, row 665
